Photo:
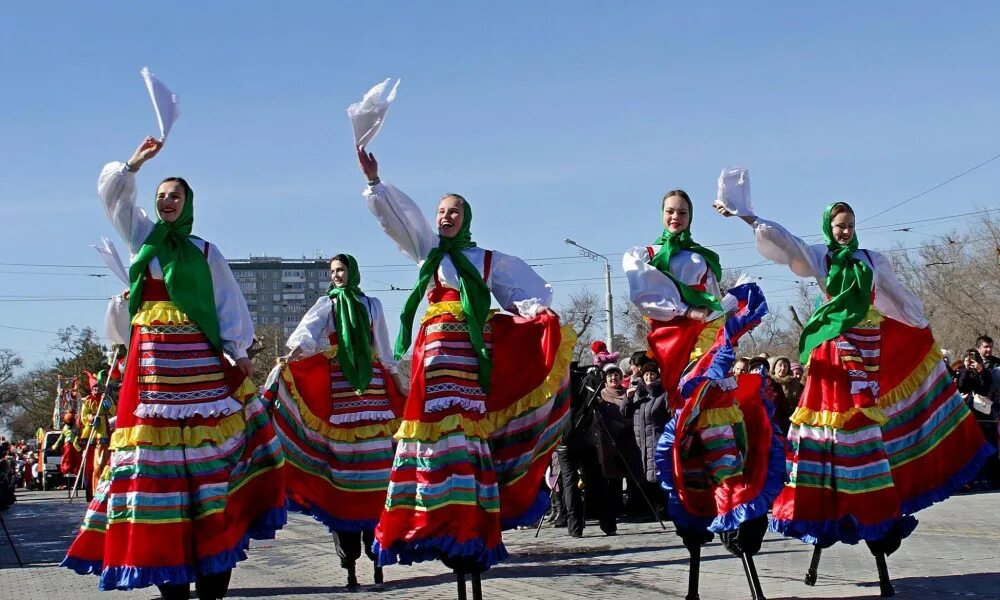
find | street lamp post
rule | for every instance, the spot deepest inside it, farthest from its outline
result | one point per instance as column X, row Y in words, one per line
column 608, row 301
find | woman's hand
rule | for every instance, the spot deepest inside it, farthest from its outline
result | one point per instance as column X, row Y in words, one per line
column 149, row 148
column 245, row 367
column 369, row 166
column 697, row 314
column 725, row 212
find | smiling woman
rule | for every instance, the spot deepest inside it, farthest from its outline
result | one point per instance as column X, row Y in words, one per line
column 195, row 465
column 487, row 397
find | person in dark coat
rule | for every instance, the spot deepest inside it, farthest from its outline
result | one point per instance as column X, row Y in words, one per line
column 650, row 414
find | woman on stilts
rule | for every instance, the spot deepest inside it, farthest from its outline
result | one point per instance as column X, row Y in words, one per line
column 872, row 440
column 720, row 457
column 335, row 403
column 488, row 393
column 194, row 472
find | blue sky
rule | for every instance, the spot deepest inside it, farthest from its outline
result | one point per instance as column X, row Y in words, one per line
column 557, row 119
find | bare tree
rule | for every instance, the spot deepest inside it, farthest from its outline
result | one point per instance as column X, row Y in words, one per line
column 582, row 311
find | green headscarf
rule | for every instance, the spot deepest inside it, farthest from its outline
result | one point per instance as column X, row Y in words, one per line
column 849, row 285
column 185, row 271
column 354, row 340
column 673, row 242
column 475, row 295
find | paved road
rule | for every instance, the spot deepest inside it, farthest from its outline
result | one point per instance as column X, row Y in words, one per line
column 954, row 554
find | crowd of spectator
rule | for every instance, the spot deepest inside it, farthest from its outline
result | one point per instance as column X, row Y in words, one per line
column 18, row 469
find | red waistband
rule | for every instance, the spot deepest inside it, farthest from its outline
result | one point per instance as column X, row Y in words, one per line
column 443, row 294
column 154, row 290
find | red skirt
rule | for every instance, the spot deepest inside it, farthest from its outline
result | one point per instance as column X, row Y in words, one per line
column 338, row 444
column 185, row 495
column 875, row 439
column 470, row 463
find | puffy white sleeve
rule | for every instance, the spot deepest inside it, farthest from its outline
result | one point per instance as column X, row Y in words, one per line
column 517, row 287
column 892, row 298
column 401, row 219
column 776, row 243
column 235, row 325
column 116, row 187
column 383, row 345
column 312, row 335
column 116, row 320
column 652, row 292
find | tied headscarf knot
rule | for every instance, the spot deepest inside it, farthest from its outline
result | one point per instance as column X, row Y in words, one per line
column 670, row 243
column 186, row 273
column 849, row 285
column 474, row 293
column 354, row 345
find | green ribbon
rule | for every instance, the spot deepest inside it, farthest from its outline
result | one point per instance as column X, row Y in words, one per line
column 185, row 271
column 354, row 340
column 474, row 292
column 849, row 285
column 671, row 243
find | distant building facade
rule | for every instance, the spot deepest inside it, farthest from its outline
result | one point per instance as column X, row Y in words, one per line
column 279, row 291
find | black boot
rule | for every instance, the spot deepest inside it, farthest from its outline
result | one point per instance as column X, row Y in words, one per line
column 378, row 575
column 175, row 591
column 352, row 577
column 213, row 586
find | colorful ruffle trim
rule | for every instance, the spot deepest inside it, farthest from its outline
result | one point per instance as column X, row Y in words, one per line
column 716, row 417
column 847, row 530
column 912, row 381
column 484, row 428
column 773, row 484
column 834, row 419
column 127, row 578
column 333, row 524
column 220, row 408
column 160, row 312
column 321, row 426
column 149, row 435
column 407, row 553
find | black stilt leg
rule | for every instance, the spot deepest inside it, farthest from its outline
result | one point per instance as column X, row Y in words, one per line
column 460, row 577
column 813, row 571
column 694, row 569
column 352, row 577
column 477, row 587
column 884, row 583
column 378, row 575
column 756, row 593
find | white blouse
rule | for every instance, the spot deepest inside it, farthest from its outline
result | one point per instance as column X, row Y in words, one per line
column 313, row 332
column 116, row 187
column 653, row 293
column 892, row 299
column 517, row 287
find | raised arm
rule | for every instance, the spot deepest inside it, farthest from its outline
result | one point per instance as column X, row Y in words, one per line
column 116, row 187
column 397, row 215
column 312, row 335
column 776, row 243
column 517, row 287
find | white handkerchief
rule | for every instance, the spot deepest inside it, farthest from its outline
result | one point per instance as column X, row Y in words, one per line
column 110, row 255
column 164, row 102
column 734, row 191
column 368, row 115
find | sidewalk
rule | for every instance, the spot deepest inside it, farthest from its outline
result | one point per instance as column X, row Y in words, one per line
column 953, row 554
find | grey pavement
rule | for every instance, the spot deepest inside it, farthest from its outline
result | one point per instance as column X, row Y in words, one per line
column 953, row 554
